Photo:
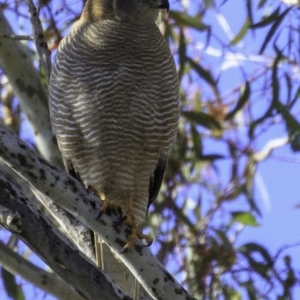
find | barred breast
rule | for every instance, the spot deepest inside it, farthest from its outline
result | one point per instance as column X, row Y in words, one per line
column 114, row 107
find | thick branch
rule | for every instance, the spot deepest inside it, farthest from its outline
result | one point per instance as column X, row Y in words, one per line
column 16, row 62
column 78, row 233
column 55, row 249
column 71, row 195
column 49, row 282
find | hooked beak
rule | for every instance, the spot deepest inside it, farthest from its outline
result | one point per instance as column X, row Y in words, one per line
column 163, row 4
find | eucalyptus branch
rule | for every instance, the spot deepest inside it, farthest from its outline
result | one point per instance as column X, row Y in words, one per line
column 16, row 62
column 55, row 249
column 39, row 38
column 49, row 282
column 75, row 230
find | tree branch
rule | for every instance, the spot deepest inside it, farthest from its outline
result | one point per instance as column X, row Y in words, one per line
column 46, row 281
column 16, row 62
column 72, row 195
column 78, row 233
column 39, row 38
column 18, row 37
column 55, row 249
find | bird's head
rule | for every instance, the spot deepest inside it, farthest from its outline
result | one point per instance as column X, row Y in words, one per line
column 124, row 10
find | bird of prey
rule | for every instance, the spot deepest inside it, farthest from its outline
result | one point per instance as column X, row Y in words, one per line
column 114, row 105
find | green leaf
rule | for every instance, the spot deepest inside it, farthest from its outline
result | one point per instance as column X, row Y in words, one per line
column 203, row 119
column 249, row 249
column 273, row 29
column 181, row 53
column 241, row 102
column 184, row 20
column 249, row 11
column 268, row 20
column 262, row 3
column 258, row 258
column 251, row 291
column 244, row 218
column 241, row 33
column 13, row 290
column 292, row 125
column 205, row 74
column 211, row 157
column 197, row 142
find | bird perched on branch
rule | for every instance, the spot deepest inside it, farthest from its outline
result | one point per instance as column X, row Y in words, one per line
column 114, row 106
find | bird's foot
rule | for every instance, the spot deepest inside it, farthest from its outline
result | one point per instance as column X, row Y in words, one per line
column 107, row 206
column 135, row 233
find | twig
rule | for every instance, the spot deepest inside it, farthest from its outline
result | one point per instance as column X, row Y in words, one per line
column 19, row 37
column 39, row 38
column 270, row 147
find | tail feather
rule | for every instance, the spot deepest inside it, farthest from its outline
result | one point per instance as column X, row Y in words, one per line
column 109, row 262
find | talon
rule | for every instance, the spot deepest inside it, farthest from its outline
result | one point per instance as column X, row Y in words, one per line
column 99, row 215
column 135, row 233
column 93, row 190
column 123, row 250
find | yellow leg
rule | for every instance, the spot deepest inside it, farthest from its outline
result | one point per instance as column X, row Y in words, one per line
column 107, row 205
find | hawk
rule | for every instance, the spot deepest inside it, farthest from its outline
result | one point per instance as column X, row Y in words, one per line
column 114, row 104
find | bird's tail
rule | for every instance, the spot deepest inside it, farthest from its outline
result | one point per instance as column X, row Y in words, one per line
column 109, row 262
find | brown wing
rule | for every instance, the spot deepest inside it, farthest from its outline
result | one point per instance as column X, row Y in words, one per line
column 156, row 179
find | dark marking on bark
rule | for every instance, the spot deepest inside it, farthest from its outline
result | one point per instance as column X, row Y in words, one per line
column 56, row 177
column 22, row 160
column 178, row 291
column 11, row 190
column 42, row 174
column 32, row 175
column 44, row 280
column 92, row 204
column 96, row 278
column 102, row 222
column 23, row 200
column 156, row 281
column 120, row 242
column 29, row 90
column 168, row 277
column 138, row 249
column 80, row 294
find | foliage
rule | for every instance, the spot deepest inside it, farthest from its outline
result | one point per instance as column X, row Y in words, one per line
column 236, row 84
